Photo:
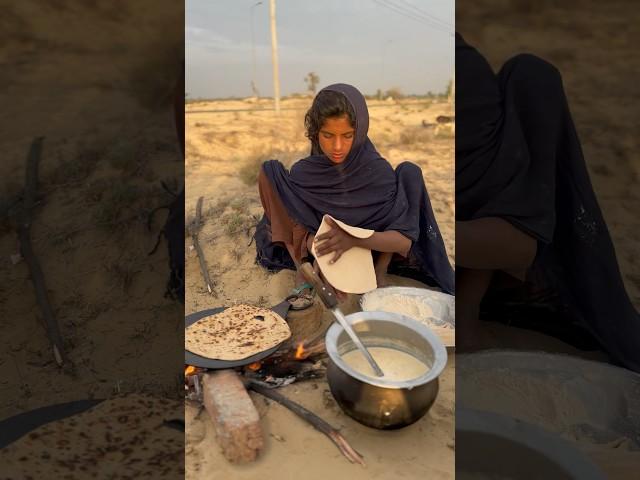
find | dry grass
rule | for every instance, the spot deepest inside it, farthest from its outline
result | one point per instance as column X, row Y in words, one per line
column 76, row 169
column 123, row 272
column 218, row 209
column 251, row 164
column 114, row 203
column 236, row 223
column 250, row 169
column 415, row 135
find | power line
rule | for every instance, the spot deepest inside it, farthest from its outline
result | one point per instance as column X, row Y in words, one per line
column 424, row 13
column 437, row 24
column 413, row 16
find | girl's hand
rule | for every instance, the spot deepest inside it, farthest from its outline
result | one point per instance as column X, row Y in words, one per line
column 335, row 240
column 341, row 296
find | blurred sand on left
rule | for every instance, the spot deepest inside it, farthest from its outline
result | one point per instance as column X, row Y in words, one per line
column 96, row 82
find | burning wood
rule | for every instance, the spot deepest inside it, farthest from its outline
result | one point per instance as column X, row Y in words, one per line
column 233, row 415
column 192, row 382
column 284, row 367
column 301, row 351
column 255, row 366
column 318, row 423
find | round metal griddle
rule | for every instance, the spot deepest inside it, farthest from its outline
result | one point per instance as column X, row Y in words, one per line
column 13, row 428
column 190, row 358
column 17, row 426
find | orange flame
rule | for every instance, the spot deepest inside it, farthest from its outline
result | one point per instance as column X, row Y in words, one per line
column 300, row 352
column 255, row 366
column 190, row 370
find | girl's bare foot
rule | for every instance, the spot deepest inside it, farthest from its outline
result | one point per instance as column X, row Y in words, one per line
column 301, row 296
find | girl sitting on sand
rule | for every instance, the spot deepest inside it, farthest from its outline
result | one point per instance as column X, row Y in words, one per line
column 525, row 206
column 347, row 178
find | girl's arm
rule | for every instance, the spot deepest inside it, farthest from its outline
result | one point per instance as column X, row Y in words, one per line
column 338, row 241
column 389, row 241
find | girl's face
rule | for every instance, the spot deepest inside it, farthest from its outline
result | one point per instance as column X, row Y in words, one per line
column 336, row 137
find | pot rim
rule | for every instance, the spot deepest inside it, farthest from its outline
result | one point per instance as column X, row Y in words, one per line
column 439, row 350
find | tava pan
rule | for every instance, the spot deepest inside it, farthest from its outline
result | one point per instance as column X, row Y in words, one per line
column 190, row 358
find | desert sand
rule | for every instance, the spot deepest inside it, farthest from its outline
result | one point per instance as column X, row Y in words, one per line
column 104, row 108
column 226, row 142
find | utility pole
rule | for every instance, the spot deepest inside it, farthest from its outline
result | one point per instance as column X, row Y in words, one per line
column 253, row 54
column 452, row 96
column 274, row 55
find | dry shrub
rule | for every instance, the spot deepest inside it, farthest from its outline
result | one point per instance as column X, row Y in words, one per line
column 218, row 209
column 77, row 168
column 236, row 223
column 114, row 203
column 394, row 93
column 415, row 135
column 123, row 272
column 250, row 170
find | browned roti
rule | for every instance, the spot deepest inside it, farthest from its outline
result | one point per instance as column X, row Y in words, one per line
column 236, row 333
column 121, row 437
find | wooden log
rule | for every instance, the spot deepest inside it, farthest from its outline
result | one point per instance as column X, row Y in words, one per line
column 234, row 416
column 318, row 423
column 24, row 219
column 196, row 243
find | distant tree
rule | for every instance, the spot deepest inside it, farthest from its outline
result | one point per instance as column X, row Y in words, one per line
column 394, row 93
column 312, row 81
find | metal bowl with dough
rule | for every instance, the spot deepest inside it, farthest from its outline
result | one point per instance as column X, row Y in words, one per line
column 435, row 309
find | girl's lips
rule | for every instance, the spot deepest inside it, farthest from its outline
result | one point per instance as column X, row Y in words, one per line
column 336, row 156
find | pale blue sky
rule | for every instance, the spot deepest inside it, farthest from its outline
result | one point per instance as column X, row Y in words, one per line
column 351, row 41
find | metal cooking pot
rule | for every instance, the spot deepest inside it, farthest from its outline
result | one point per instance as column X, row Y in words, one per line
column 376, row 402
column 527, row 452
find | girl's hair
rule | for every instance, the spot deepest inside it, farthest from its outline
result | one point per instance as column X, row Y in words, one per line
column 327, row 104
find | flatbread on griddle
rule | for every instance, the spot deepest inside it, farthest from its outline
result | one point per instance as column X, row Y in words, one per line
column 121, row 437
column 236, row 333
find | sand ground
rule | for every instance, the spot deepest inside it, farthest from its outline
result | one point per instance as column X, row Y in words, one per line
column 104, row 109
column 224, row 151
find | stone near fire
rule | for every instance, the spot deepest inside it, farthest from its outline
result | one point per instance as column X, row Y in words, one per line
column 234, row 416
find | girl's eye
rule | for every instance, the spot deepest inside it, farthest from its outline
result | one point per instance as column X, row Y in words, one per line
column 327, row 135
column 349, row 136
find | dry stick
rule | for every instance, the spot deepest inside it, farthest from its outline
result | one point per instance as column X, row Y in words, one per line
column 319, row 424
column 196, row 244
column 26, row 249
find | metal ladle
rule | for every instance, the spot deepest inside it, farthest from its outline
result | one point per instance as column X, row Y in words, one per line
column 328, row 297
